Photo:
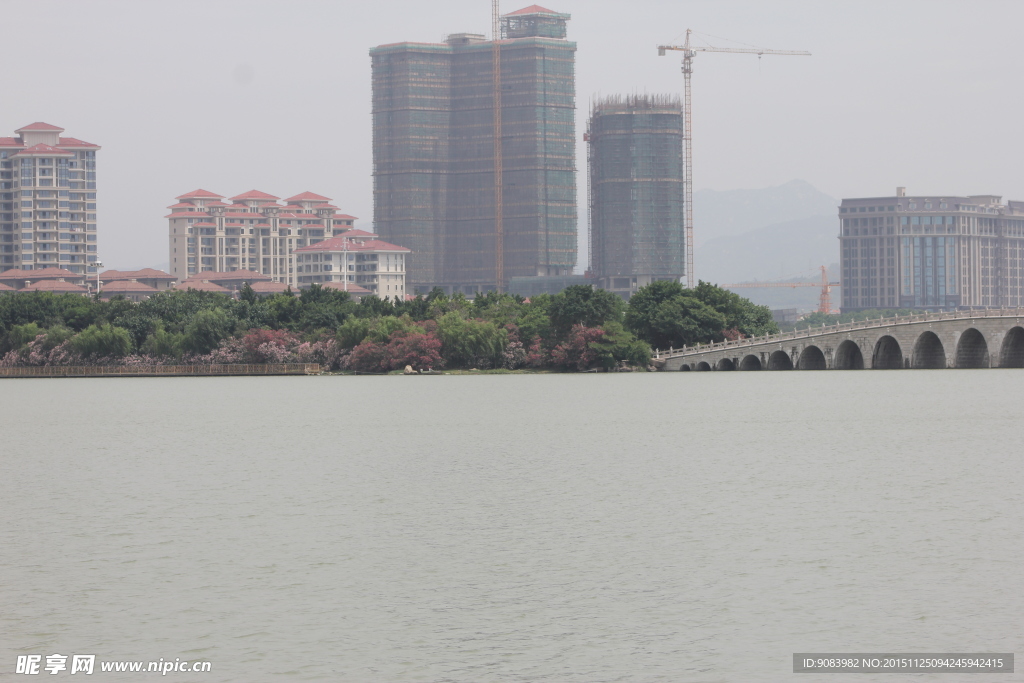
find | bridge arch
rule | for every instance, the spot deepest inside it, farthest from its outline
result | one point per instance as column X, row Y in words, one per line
column 848, row 356
column 887, row 354
column 1011, row 354
column 971, row 350
column 811, row 358
column 725, row 364
column 750, row 362
column 702, row 367
column 684, row 367
column 780, row 360
column 928, row 352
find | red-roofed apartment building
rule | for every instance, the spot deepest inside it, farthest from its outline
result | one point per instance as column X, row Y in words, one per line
column 250, row 231
column 47, row 201
column 356, row 260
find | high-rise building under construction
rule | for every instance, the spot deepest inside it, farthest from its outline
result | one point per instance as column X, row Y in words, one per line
column 635, row 159
column 434, row 152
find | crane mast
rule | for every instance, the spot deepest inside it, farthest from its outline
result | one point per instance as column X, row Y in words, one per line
column 689, row 52
column 499, row 208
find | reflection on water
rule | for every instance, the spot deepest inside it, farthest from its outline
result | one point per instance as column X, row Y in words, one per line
column 669, row 527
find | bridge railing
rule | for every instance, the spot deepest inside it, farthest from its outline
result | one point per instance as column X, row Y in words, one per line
column 843, row 327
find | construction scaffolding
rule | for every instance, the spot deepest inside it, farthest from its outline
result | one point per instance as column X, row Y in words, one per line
column 438, row 163
column 635, row 159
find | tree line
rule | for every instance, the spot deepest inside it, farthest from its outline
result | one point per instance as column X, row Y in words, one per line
column 581, row 328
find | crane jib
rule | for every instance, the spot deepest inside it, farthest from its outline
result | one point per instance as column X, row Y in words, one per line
column 689, row 52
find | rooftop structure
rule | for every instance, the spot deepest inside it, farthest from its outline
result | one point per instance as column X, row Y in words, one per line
column 931, row 252
column 156, row 279
column 635, row 159
column 250, row 231
column 434, row 153
column 20, row 278
column 133, row 290
column 230, row 281
column 47, row 200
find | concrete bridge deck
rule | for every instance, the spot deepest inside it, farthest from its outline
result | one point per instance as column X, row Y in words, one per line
column 992, row 338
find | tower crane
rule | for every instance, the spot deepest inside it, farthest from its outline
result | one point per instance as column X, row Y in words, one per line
column 499, row 200
column 824, row 301
column 689, row 52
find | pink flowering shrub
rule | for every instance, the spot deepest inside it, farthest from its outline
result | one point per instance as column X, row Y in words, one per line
column 536, row 356
column 421, row 351
column 269, row 346
column 368, row 356
column 35, row 353
column 326, row 352
column 577, row 352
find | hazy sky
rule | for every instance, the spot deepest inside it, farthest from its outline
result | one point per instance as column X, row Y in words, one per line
column 233, row 95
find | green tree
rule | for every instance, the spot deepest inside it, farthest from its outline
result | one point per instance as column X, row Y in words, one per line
column 469, row 343
column 534, row 321
column 99, row 341
column 205, row 330
column 19, row 335
column 162, row 343
column 248, row 294
column 439, row 304
column 685, row 320
column 583, row 305
column 667, row 314
column 618, row 345
column 355, row 330
column 55, row 336
column 740, row 314
column 138, row 323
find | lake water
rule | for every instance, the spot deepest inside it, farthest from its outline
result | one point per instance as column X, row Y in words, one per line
column 627, row 527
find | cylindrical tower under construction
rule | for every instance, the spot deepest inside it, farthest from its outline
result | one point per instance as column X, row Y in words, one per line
column 635, row 156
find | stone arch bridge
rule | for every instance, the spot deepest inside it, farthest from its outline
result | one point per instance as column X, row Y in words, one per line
column 958, row 339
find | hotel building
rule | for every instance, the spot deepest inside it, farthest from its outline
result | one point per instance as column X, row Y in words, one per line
column 934, row 253
column 47, row 201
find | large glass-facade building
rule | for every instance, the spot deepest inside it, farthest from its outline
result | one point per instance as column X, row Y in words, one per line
column 434, row 153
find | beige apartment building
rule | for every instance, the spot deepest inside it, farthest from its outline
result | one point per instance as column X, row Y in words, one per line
column 47, row 200
column 936, row 252
column 251, row 231
column 355, row 259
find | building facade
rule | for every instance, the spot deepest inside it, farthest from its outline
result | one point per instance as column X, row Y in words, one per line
column 355, row 259
column 934, row 253
column 434, row 154
column 635, row 159
column 47, row 200
column 252, row 232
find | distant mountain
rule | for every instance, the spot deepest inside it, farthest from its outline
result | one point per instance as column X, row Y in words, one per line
column 733, row 212
column 775, row 252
